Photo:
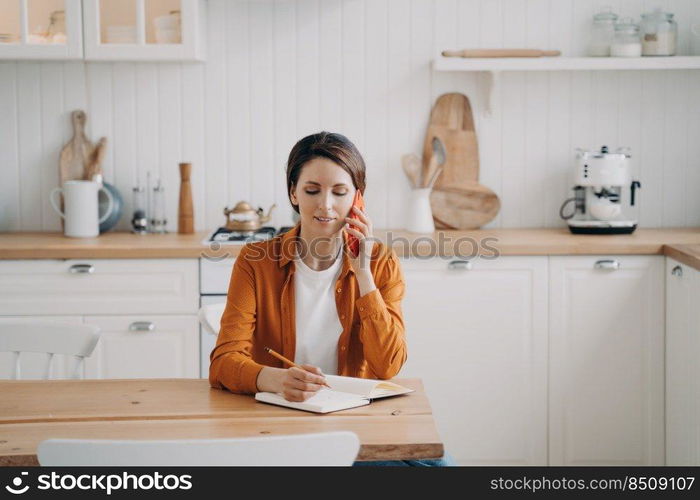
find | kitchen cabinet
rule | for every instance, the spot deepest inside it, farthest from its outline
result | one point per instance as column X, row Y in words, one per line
column 98, row 286
column 32, row 364
column 144, row 30
column 146, row 309
column 682, row 366
column 606, row 373
column 41, row 29
column 145, row 346
column 477, row 337
column 104, row 30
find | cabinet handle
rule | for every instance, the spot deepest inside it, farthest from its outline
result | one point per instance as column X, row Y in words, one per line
column 142, row 326
column 607, row 264
column 463, row 265
column 81, row 269
column 677, row 271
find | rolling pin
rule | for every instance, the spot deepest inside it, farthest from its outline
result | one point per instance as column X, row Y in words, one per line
column 501, row 53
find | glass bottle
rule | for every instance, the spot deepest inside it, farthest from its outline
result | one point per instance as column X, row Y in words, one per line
column 139, row 222
column 602, row 33
column 659, row 34
column 158, row 220
column 626, row 42
column 56, row 32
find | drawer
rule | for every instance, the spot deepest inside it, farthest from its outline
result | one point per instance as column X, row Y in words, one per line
column 145, row 346
column 98, row 286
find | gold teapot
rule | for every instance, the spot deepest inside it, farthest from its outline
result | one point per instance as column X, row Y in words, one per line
column 244, row 218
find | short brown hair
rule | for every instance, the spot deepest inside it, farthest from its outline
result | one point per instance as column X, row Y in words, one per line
column 335, row 147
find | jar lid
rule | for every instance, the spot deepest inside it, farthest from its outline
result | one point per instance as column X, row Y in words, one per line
column 627, row 25
column 657, row 14
column 605, row 15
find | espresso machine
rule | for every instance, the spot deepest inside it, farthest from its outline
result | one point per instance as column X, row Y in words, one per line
column 604, row 200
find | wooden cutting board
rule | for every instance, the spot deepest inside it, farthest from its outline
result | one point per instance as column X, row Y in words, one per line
column 75, row 155
column 458, row 200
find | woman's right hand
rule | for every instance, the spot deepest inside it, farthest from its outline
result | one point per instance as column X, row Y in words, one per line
column 299, row 384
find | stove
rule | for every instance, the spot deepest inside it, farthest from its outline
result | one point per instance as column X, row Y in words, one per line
column 225, row 236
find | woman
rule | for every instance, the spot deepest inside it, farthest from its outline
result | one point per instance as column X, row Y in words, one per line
column 305, row 297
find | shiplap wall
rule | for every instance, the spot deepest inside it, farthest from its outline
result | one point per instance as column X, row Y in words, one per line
column 278, row 70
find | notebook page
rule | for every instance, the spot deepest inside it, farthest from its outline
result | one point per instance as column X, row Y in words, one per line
column 360, row 386
column 324, row 401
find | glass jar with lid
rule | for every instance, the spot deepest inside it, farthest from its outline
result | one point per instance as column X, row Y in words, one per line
column 659, row 34
column 602, row 33
column 56, row 32
column 626, row 42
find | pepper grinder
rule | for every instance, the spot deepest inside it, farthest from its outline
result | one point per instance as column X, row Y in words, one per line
column 185, row 213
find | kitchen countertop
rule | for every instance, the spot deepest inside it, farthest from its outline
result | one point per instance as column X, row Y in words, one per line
column 682, row 244
column 686, row 254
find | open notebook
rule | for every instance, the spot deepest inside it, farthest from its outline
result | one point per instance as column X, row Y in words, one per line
column 345, row 392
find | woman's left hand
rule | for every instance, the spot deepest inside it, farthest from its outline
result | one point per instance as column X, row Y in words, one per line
column 362, row 230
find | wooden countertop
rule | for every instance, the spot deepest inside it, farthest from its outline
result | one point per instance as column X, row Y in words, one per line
column 687, row 254
column 442, row 243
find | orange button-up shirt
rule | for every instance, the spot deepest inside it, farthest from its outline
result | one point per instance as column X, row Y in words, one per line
column 260, row 309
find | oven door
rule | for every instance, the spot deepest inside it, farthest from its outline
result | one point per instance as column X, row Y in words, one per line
column 207, row 340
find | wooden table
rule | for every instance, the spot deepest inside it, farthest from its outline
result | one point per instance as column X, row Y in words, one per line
column 31, row 411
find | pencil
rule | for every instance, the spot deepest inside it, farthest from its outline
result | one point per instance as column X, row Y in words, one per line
column 285, row 360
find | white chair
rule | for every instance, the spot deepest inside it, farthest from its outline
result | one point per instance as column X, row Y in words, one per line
column 329, row 448
column 210, row 317
column 49, row 338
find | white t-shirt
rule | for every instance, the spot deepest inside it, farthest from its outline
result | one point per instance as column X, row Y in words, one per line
column 317, row 325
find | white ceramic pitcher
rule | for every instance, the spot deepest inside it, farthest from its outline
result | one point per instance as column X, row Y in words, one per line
column 420, row 215
column 81, row 205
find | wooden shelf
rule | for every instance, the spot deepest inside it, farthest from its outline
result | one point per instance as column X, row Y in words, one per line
column 492, row 67
column 565, row 63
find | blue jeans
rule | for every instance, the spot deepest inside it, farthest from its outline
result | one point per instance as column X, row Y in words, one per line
column 445, row 461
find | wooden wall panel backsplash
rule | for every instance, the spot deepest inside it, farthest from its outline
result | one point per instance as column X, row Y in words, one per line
column 280, row 69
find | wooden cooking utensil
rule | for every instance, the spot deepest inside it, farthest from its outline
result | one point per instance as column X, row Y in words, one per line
column 501, row 53
column 451, row 121
column 431, row 181
column 412, row 168
column 96, row 158
column 76, row 153
column 437, row 159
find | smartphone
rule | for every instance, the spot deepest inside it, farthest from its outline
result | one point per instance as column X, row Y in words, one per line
column 351, row 240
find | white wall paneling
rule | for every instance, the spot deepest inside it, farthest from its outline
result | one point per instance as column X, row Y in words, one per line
column 280, row 69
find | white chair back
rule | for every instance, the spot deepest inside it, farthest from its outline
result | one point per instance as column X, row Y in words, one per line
column 210, row 317
column 329, row 448
column 50, row 338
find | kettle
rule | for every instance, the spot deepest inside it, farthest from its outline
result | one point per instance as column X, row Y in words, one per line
column 244, row 218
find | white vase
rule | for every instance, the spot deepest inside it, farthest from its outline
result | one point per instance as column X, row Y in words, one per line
column 420, row 215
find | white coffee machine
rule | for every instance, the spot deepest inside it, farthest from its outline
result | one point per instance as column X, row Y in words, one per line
column 604, row 193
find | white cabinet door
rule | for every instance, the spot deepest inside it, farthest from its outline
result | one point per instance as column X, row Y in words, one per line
column 37, row 29
column 606, row 377
column 144, row 30
column 478, row 339
column 682, row 364
column 33, row 364
column 99, row 286
column 145, row 347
